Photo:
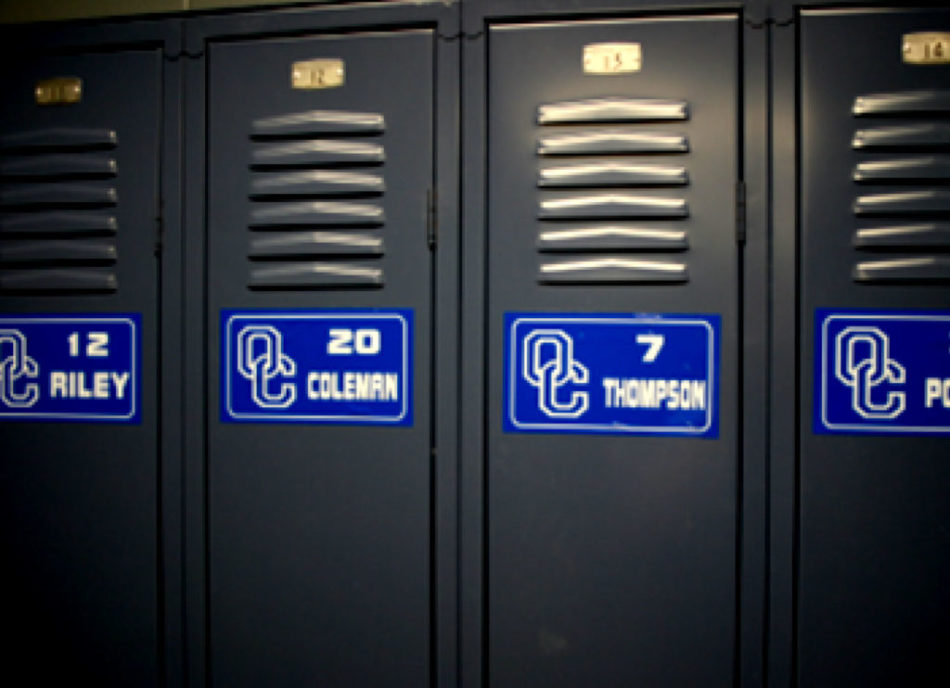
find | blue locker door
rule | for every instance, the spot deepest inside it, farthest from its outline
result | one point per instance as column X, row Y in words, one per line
column 613, row 279
column 319, row 314
column 79, row 418
column 874, row 347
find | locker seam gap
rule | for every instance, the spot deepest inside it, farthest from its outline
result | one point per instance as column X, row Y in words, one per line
column 160, row 425
column 433, row 386
column 485, row 344
column 770, row 301
column 796, row 521
column 740, row 369
column 182, row 338
column 205, row 420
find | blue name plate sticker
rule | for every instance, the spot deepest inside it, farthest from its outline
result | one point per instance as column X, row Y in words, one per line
column 76, row 367
column 882, row 372
column 627, row 374
column 317, row 366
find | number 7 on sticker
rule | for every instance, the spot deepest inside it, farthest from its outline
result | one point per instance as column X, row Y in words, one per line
column 653, row 342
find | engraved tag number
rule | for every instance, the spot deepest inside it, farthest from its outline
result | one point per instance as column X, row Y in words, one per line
column 926, row 48
column 612, row 58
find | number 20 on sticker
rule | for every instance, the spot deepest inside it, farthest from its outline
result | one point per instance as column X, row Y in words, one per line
column 345, row 342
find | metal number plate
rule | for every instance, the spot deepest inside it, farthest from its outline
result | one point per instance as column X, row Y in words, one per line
column 315, row 74
column 612, row 58
column 63, row 90
column 929, row 47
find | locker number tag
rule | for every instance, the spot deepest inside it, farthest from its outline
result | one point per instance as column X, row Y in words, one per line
column 612, row 58
column 63, row 90
column 315, row 366
column 611, row 373
column 884, row 372
column 926, row 48
column 70, row 368
column 317, row 74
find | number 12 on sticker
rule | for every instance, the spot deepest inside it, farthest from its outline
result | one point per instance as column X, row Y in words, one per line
column 94, row 345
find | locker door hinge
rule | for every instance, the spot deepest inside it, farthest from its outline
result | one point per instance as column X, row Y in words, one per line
column 432, row 220
column 159, row 235
column 740, row 213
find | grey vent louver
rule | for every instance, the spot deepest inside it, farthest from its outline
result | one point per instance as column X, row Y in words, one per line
column 58, row 222
column 316, row 201
column 902, row 205
column 610, row 198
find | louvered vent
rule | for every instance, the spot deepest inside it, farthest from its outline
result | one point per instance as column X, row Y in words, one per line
column 610, row 201
column 57, row 211
column 903, row 205
column 316, row 192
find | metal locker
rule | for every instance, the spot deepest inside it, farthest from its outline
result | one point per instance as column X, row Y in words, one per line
column 81, row 136
column 612, row 278
column 321, row 282
column 874, row 311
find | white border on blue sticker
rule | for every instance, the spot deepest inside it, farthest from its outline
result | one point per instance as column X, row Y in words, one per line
column 85, row 320
column 827, row 317
column 613, row 428
column 309, row 315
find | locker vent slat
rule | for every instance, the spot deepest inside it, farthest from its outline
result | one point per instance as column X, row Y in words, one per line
column 902, row 103
column 316, row 183
column 55, row 139
column 917, row 202
column 612, row 110
column 610, row 206
column 58, row 194
column 916, row 269
column 616, row 237
column 307, row 244
column 80, row 280
column 903, row 170
column 611, row 269
column 613, row 141
column 80, row 251
column 315, row 275
column 57, row 166
column 317, row 152
column 316, row 193
column 333, row 213
column 611, row 174
column 602, row 200
column 933, row 235
column 927, row 135
column 316, row 122
column 57, row 223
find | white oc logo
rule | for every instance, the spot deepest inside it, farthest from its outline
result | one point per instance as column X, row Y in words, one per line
column 863, row 362
column 18, row 364
column 548, row 363
column 260, row 358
